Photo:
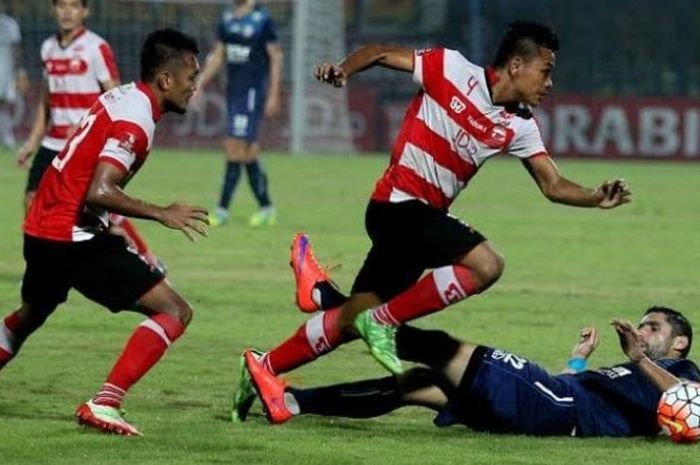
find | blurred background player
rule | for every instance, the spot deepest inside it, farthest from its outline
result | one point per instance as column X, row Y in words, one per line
column 13, row 77
column 78, row 66
column 249, row 46
column 493, row 390
column 66, row 241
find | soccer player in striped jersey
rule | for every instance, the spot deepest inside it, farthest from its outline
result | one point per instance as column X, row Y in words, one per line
column 494, row 390
column 66, row 240
column 462, row 116
column 78, row 66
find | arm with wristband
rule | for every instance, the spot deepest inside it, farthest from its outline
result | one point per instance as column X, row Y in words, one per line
column 586, row 345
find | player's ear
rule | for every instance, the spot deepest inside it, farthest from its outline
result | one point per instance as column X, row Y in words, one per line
column 680, row 343
column 514, row 65
column 164, row 80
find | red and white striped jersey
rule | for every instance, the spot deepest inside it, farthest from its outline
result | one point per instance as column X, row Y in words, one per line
column 118, row 129
column 450, row 129
column 74, row 74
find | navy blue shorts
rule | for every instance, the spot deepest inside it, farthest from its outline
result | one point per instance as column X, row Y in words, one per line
column 505, row 393
column 245, row 112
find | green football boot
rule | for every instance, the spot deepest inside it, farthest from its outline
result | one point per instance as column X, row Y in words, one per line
column 245, row 395
column 381, row 340
column 266, row 216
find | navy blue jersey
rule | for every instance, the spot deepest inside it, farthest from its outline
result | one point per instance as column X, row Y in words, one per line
column 245, row 40
column 620, row 400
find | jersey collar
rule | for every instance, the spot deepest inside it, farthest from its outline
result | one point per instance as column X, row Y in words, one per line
column 81, row 31
column 143, row 87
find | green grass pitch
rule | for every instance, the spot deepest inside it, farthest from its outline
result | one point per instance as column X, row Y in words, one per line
column 565, row 268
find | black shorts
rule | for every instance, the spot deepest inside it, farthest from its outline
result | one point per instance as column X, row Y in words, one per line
column 40, row 164
column 103, row 269
column 407, row 239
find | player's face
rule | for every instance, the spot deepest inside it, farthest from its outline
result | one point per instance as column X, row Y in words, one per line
column 70, row 14
column 533, row 78
column 182, row 83
column 657, row 334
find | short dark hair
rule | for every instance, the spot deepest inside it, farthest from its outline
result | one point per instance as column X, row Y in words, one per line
column 161, row 47
column 84, row 2
column 524, row 39
column 680, row 326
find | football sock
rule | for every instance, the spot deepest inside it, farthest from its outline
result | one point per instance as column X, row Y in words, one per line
column 258, row 183
column 233, row 173
column 326, row 295
column 6, row 135
column 146, row 346
column 435, row 291
column 432, row 348
column 14, row 331
column 8, row 339
column 363, row 399
column 318, row 336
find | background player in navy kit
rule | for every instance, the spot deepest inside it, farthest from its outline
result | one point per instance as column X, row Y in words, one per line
column 249, row 46
column 494, row 390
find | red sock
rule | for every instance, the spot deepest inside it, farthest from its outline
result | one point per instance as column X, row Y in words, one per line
column 146, row 346
column 318, row 336
column 435, row 291
column 9, row 343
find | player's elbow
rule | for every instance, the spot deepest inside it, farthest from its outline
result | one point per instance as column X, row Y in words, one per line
column 98, row 195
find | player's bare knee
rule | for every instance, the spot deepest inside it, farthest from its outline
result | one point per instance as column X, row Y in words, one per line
column 489, row 269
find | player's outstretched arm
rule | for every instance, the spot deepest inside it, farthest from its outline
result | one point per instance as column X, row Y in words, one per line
column 105, row 191
column 632, row 345
column 584, row 348
column 557, row 188
column 213, row 63
column 398, row 58
column 38, row 128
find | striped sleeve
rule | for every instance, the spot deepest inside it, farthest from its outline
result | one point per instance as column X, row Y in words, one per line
column 527, row 141
column 126, row 145
column 428, row 67
column 104, row 63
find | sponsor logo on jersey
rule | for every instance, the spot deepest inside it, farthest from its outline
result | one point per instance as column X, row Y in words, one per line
column 457, row 105
column 127, row 142
column 63, row 67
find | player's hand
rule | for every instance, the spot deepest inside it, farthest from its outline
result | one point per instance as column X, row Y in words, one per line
column 272, row 106
column 24, row 154
column 187, row 218
column 331, row 74
column 615, row 192
column 630, row 340
column 587, row 343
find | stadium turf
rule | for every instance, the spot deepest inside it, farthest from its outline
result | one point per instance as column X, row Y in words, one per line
column 565, row 268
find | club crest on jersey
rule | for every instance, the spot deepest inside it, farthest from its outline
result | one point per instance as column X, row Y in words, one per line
column 457, row 105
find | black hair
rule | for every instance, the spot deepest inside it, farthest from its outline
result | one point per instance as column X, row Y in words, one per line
column 524, row 39
column 161, row 47
column 680, row 326
column 84, row 2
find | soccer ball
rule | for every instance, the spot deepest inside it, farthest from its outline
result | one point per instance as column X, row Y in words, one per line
column 678, row 413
